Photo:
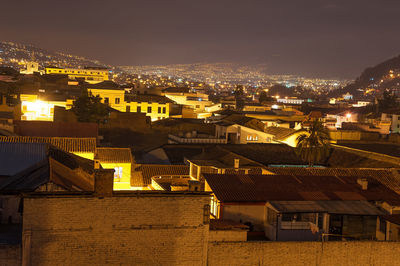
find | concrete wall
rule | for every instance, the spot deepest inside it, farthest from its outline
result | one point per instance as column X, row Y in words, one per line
column 10, row 206
column 10, row 255
column 303, row 253
column 118, row 230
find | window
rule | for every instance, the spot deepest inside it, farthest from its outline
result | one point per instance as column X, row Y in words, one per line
column 117, row 100
column 106, row 100
column 197, row 106
column 149, row 109
column 159, row 110
column 249, row 137
column 118, row 173
column 214, row 206
column 139, row 109
column 128, row 108
column 164, row 110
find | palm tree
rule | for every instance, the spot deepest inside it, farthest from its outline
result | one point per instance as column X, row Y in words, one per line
column 313, row 146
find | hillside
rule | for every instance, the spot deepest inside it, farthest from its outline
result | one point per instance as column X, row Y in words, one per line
column 15, row 55
column 373, row 74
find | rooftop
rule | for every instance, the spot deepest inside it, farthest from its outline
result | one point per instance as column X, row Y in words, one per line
column 142, row 174
column 280, row 133
column 353, row 207
column 113, row 155
column 390, row 149
column 82, row 145
column 263, row 188
column 148, row 98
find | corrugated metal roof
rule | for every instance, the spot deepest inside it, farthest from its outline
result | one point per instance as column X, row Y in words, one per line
column 114, row 155
column 332, row 207
column 16, row 157
column 27, row 166
column 388, row 177
column 84, row 145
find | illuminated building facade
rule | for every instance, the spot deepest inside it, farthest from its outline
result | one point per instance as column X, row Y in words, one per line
column 120, row 160
column 34, row 108
column 91, row 75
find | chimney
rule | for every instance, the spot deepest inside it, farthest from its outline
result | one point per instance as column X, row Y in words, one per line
column 96, row 164
column 103, row 182
column 363, row 182
column 194, row 185
column 237, row 163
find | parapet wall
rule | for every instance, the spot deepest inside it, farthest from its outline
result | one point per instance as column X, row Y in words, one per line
column 304, row 253
column 122, row 230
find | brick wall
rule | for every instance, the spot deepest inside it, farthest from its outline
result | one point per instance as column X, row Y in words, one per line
column 227, row 235
column 10, row 255
column 118, row 230
column 303, row 253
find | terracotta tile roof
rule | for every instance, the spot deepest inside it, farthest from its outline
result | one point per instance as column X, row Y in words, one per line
column 142, row 174
column 113, row 155
column 388, row 177
column 263, row 188
column 390, row 149
column 281, row 154
column 167, row 183
column 279, row 132
column 84, row 145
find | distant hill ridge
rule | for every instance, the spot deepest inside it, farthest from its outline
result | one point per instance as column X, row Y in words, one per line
column 9, row 52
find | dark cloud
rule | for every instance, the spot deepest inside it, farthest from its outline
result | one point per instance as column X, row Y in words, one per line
column 311, row 37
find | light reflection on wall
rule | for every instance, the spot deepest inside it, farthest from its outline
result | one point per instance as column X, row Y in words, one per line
column 39, row 110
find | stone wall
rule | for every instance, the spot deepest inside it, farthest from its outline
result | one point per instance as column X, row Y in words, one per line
column 120, row 230
column 304, row 253
column 10, row 255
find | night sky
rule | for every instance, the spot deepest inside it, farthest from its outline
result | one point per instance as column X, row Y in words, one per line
column 327, row 38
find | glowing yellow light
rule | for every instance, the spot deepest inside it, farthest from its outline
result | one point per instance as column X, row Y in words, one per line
column 348, row 115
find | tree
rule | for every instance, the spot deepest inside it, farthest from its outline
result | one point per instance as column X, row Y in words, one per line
column 264, row 97
column 89, row 108
column 239, row 97
column 387, row 102
column 313, row 146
